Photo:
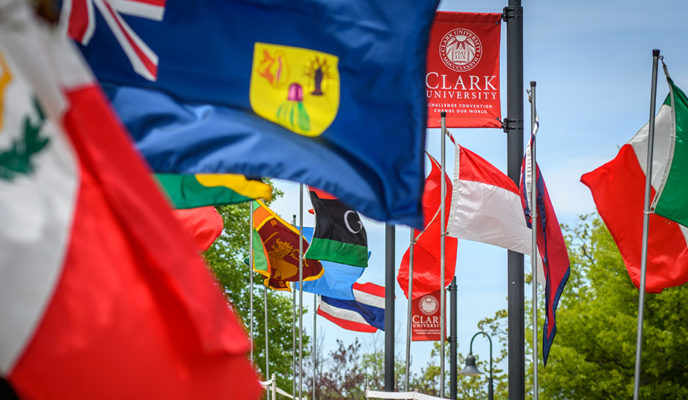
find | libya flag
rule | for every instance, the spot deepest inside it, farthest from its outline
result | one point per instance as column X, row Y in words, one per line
column 191, row 191
column 339, row 233
column 671, row 139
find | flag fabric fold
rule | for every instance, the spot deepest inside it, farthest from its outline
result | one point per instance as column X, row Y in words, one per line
column 297, row 93
column 339, row 233
column 192, row 191
column 671, row 200
column 276, row 250
column 366, row 313
column 618, row 188
column 204, row 224
column 550, row 243
column 96, row 276
column 427, row 249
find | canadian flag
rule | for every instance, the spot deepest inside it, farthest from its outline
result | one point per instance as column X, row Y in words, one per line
column 102, row 295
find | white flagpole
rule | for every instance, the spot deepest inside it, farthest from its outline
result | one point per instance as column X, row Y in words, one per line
column 646, row 224
column 412, row 242
column 443, row 296
column 267, row 341
column 250, row 272
column 301, row 291
column 315, row 370
column 533, row 224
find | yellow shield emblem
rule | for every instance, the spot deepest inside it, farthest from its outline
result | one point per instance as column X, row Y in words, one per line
column 294, row 87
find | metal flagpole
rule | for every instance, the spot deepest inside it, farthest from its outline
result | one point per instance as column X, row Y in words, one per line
column 315, row 370
column 513, row 125
column 443, row 295
column 267, row 349
column 300, row 290
column 409, row 312
column 293, row 332
column 533, row 224
column 453, row 340
column 250, row 272
column 389, row 308
column 646, row 223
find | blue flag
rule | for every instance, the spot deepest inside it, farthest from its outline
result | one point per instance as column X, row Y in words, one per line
column 336, row 281
column 330, row 93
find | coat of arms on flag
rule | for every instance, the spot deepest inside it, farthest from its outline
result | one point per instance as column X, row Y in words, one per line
column 295, row 87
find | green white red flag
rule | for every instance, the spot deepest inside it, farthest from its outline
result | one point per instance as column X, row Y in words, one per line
column 102, row 295
column 618, row 190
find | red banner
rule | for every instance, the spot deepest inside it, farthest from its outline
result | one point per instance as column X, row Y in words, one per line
column 462, row 75
column 425, row 317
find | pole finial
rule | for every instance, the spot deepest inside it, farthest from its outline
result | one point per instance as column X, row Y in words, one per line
column 655, row 53
column 532, row 83
column 443, row 114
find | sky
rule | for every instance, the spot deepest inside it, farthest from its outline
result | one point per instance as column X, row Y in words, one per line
column 592, row 62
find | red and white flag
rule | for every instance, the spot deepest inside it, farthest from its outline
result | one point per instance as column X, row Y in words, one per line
column 102, row 295
column 427, row 254
column 486, row 206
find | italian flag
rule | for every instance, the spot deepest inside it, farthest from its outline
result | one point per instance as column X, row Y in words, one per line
column 618, row 189
column 102, row 295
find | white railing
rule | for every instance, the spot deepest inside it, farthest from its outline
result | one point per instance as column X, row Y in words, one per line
column 373, row 394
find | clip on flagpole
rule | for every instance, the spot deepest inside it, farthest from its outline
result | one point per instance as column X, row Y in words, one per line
column 646, row 224
column 250, row 273
column 409, row 310
column 533, row 223
column 300, row 290
column 443, row 297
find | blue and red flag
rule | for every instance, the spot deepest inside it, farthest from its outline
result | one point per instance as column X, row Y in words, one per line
column 330, row 93
column 366, row 313
column 551, row 246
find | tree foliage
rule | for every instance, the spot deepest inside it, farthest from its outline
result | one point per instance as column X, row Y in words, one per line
column 593, row 355
column 227, row 259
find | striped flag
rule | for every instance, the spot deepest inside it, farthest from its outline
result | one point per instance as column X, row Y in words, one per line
column 366, row 313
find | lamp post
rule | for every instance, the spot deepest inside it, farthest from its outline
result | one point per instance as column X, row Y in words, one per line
column 471, row 370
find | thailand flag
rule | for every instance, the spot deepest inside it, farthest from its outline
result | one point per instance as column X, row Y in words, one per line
column 364, row 314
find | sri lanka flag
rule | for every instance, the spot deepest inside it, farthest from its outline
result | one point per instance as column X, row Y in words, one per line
column 276, row 250
column 328, row 93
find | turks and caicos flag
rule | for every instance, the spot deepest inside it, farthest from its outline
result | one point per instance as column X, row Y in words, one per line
column 101, row 293
column 366, row 313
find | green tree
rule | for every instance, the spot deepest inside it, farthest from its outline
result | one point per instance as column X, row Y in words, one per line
column 593, row 354
column 227, row 260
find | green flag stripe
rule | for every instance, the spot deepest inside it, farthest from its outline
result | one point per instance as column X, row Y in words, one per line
column 184, row 191
column 260, row 260
column 339, row 252
column 673, row 203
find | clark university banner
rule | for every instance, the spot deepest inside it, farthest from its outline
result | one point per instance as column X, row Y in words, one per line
column 462, row 75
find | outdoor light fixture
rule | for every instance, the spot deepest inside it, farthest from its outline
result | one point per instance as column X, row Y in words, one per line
column 471, row 370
